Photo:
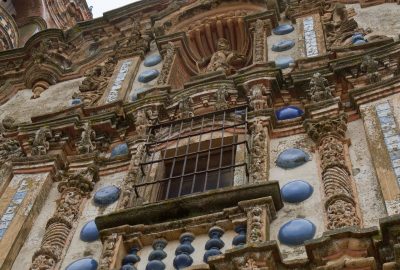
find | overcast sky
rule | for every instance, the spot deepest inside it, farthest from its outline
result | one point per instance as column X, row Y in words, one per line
column 101, row 6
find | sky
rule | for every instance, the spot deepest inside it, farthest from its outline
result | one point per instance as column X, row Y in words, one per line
column 101, row 6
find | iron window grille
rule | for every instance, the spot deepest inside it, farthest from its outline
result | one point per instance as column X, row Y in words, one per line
column 195, row 154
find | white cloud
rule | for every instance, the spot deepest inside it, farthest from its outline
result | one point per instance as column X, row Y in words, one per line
column 101, row 6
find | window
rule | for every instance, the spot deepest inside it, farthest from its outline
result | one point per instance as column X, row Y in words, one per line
column 195, row 155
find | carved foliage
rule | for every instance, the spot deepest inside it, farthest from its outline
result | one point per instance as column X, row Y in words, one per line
column 108, row 252
column 256, row 225
column 167, row 64
column 259, row 153
column 259, row 41
column 316, row 129
column 342, row 214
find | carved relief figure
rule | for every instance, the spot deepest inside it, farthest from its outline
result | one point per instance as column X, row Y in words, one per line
column 224, row 59
column 185, row 108
column 85, row 145
column 96, row 82
column 319, row 88
column 257, row 98
column 370, row 67
column 40, row 145
column 220, row 99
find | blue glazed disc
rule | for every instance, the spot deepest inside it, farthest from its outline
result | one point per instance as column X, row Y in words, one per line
column 288, row 112
column 283, row 29
column 357, row 36
column 148, row 75
column 89, row 232
column 76, row 101
column 292, row 158
column 106, row 195
column 119, row 150
column 152, row 60
column 359, row 42
column 83, row 264
column 283, row 45
column 283, row 61
column 296, row 191
column 296, row 231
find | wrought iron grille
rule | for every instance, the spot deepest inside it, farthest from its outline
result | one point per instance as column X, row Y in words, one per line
column 195, row 155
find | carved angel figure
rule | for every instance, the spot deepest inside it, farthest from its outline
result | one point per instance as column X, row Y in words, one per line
column 224, row 59
column 85, row 145
column 370, row 67
column 319, row 88
column 40, row 144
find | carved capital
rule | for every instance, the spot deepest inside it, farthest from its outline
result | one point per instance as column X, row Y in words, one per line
column 319, row 128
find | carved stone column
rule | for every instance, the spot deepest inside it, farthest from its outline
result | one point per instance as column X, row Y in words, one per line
column 340, row 203
column 259, row 165
column 74, row 188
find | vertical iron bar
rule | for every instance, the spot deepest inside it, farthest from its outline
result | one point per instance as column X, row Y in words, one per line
column 174, row 160
column 197, row 155
column 185, row 159
column 209, row 153
column 221, row 152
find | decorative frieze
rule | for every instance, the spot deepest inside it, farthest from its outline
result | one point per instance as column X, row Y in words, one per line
column 340, row 204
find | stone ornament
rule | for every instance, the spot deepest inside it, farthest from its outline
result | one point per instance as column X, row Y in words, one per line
column 319, row 89
column 86, row 145
column 135, row 43
column 74, row 187
column 259, row 41
column 185, row 108
column 329, row 133
column 224, row 59
column 40, row 144
column 370, row 67
column 109, row 245
column 133, row 176
column 256, row 225
column 221, row 102
column 9, row 148
column 94, row 85
column 143, row 121
column 169, row 56
column 258, row 97
column 259, row 150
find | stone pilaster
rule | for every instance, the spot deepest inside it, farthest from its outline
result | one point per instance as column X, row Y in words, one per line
column 260, row 49
column 169, row 57
column 74, row 188
column 340, row 203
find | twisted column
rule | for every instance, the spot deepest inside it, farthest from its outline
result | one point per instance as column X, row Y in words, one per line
column 74, row 188
column 340, row 204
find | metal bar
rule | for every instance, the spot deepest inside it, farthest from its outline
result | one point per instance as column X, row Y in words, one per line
column 221, row 152
column 174, row 160
column 197, row 156
column 209, row 153
column 190, row 174
column 184, row 161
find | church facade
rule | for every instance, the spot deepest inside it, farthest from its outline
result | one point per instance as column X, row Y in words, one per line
column 200, row 134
